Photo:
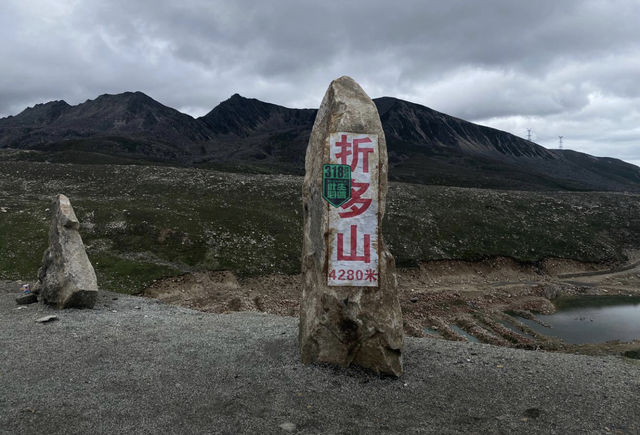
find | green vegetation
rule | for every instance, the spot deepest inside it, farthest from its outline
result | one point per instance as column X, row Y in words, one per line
column 127, row 275
column 431, row 222
column 141, row 223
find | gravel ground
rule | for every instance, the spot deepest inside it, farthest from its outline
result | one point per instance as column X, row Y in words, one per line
column 135, row 365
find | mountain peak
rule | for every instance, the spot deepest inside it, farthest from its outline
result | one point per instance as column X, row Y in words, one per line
column 42, row 113
column 136, row 103
column 127, row 95
column 237, row 100
column 48, row 105
column 240, row 116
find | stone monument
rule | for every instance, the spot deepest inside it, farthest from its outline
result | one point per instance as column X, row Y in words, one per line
column 349, row 311
column 66, row 278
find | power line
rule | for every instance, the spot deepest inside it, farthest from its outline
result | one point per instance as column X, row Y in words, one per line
column 560, row 141
column 529, row 134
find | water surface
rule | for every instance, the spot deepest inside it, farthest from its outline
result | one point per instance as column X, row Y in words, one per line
column 592, row 319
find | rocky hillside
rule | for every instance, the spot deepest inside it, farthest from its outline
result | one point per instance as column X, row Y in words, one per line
column 140, row 223
column 251, row 131
column 248, row 135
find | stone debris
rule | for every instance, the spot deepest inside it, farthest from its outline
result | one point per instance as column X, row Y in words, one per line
column 346, row 324
column 66, row 278
column 46, row 319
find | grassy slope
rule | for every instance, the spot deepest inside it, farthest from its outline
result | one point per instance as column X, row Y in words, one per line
column 140, row 223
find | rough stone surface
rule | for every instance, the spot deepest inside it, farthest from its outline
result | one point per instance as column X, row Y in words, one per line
column 345, row 325
column 27, row 298
column 66, row 278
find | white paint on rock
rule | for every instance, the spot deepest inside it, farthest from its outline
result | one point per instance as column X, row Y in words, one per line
column 353, row 227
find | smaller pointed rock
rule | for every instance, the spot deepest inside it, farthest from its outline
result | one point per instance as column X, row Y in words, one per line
column 66, row 278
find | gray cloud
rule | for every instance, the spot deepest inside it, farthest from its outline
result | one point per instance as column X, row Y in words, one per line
column 560, row 67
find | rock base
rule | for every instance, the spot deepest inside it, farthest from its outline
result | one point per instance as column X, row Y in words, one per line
column 28, row 298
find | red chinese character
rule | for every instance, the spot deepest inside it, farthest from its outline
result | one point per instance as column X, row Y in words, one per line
column 357, row 190
column 346, row 151
column 365, row 154
column 371, row 275
column 353, row 256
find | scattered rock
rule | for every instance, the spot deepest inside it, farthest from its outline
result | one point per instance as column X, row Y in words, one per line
column 258, row 302
column 634, row 354
column 288, row 427
column 552, row 291
column 27, row 298
column 345, row 324
column 235, row 304
column 532, row 413
column 66, row 278
column 46, row 319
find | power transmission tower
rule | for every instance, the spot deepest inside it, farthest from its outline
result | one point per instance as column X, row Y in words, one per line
column 529, row 134
column 560, row 140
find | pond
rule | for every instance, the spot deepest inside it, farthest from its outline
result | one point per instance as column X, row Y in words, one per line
column 592, row 319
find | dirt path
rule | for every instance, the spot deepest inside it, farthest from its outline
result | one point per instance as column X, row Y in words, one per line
column 600, row 273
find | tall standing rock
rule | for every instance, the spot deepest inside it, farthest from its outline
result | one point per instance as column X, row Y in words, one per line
column 349, row 311
column 66, row 278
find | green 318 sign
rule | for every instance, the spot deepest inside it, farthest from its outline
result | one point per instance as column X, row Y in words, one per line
column 336, row 184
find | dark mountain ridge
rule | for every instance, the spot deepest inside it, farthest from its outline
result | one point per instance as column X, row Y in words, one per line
column 246, row 116
column 411, row 123
column 131, row 123
column 425, row 146
column 39, row 115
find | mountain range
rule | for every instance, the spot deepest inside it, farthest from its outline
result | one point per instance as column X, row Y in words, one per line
column 243, row 134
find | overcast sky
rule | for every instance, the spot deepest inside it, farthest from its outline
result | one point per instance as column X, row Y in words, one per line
column 558, row 67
